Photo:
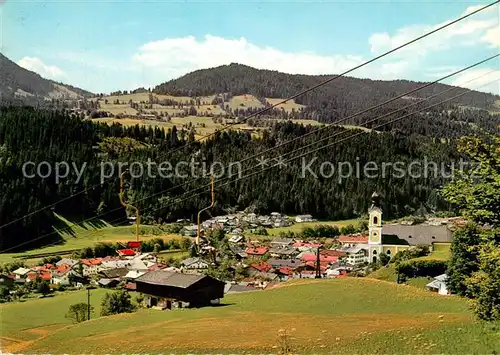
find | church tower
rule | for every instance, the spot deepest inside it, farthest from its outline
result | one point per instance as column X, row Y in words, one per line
column 375, row 228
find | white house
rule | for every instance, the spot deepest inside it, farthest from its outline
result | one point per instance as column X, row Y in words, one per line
column 439, row 285
column 21, row 273
column 91, row 267
column 304, row 218
column 194, row 264
column 356, row 255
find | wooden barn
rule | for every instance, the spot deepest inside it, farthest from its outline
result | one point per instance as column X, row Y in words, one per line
column 167, row 289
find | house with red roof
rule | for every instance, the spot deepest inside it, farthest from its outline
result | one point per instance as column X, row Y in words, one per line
column 352, row 240
column 91, row 267
column 42, row 274
column 261, row 267
column 126, row 252
column 259, row 251
column 310, row 257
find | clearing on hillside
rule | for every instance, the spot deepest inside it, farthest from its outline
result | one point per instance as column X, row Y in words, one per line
column 349, row 315
column 289, row 106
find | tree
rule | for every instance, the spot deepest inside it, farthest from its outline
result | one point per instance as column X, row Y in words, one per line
column 4, row 292
column 384, row 259
column 464, row 261
column 78, row 312
column 43, row 288
column 185, row 244
column 475, row 263
column 116, row 302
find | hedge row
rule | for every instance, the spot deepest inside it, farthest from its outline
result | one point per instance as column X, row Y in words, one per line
column 420, row 268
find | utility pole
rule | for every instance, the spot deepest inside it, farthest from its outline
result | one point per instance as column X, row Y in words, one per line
column 318, row 265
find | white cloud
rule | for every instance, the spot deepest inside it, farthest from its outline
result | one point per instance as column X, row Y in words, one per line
column 484, row 79
column 38, row 66
column 492, row 37
column 169, row 58
column 464, row 32
column 176, row 56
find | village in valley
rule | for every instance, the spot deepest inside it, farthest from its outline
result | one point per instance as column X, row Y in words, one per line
column 240, row 252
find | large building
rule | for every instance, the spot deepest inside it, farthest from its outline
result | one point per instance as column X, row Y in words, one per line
column 164, row 288
column 392, row 238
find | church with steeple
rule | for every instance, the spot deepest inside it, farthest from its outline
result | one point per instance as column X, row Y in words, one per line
column 390, row 238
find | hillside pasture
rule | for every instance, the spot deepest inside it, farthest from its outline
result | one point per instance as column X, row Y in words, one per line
column 86, row 235
column 118, row 109
column 243, row 102
column 349, row 315
column 298, row 227
column 288, row 106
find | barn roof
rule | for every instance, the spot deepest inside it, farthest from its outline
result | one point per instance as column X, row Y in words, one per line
column 169, row 278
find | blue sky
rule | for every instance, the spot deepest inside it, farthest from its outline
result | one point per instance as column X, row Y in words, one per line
column 108, row 45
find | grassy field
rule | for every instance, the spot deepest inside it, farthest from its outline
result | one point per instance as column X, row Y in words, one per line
column 244, row 101
column 86, row 235
column 352, row 315
column 288, row 106
column 441, row 252
column 298, row 227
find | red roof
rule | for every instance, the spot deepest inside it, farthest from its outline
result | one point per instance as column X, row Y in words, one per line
column 257, row 251
column 41, row 274
column 62, row 269
column 307, row 245
column 330, row 252
column 285, row 270
column 90, row 262
column 322, row 258
column 262, row 267
column 353, row 238
column 133, row 245
column 126, row 252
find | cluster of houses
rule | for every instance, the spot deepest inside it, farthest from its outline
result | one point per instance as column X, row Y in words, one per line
column 279, row 260
column 235, row 224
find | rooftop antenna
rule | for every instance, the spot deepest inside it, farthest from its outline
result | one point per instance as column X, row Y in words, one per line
column 206, row 208
column 127, row 205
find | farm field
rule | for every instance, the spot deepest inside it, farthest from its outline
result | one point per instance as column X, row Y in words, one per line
column 288, row 106
column 349, row 315
column 77, row 237
column 244, row 101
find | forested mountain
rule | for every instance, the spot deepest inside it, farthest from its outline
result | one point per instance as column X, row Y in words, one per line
column 28, row 134
column 21, row 85
column 346, row 96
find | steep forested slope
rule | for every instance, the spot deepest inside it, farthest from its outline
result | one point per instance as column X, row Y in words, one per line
column 28, row 134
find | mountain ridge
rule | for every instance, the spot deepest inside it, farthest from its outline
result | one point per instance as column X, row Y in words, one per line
column 242, row 79
column 20, row 84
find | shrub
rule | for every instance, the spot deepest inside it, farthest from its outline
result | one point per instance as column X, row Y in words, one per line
column 78, row 312
column 43, row 288
column 420, row 268
column 116, row 302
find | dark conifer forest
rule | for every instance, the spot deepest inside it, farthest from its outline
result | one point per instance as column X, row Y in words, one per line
column 38, row 135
